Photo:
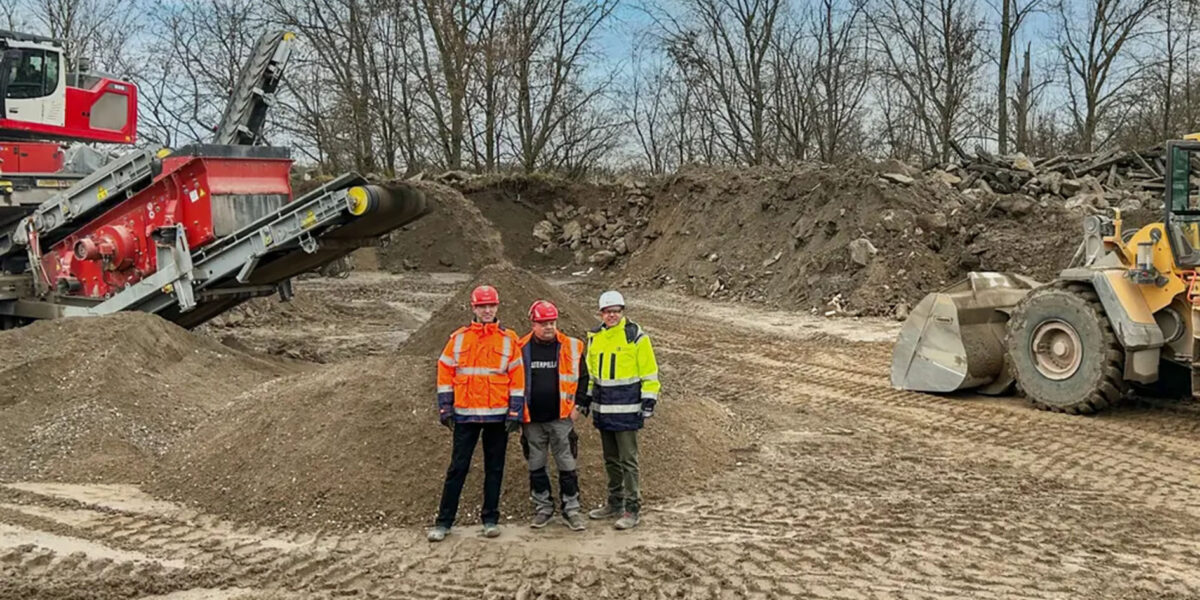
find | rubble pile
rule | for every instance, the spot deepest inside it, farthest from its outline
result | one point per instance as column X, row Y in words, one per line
column 598, row 236
column 857, row 239
column 1127, row 180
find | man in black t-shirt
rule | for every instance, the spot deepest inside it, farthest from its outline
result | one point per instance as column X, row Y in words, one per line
column 554, row 371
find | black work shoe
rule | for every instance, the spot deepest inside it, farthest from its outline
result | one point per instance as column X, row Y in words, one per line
column 575, row 522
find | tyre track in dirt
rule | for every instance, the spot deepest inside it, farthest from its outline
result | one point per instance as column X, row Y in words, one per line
column 848, row 489
column 845, row 385
column 368, row 563
column 1159, row 453
column 1155, row 471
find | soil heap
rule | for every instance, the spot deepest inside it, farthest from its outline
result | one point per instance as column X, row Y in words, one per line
column 851, row 239
column 455, row 236
column 358, row 445
column 97, row 399
column 313, row 324
column 518, row 290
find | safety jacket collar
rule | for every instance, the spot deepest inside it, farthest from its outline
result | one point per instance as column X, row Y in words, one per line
column 620, row 324
column 561, row 339
column 485, row 328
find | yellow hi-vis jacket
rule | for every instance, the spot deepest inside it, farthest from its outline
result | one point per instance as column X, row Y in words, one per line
column 623, row 385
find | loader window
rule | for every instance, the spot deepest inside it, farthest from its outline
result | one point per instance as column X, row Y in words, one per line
column 33, row 74
column 1183, row 202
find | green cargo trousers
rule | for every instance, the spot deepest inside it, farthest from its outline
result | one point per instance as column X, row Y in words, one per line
column 621, row 464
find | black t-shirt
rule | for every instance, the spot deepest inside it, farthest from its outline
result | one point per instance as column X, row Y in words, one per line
column 543, row 382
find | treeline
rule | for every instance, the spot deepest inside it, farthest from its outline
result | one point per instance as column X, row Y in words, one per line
column 575, row 86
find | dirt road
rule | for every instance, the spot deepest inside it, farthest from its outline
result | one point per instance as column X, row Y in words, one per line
column 848, row 489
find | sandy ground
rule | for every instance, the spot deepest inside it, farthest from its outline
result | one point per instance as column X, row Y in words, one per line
column 848, row 489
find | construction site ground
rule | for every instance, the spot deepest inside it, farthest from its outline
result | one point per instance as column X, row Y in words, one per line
column 838, row 485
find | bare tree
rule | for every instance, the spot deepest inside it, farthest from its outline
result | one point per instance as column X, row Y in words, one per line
column 97, row 30
column 445, row 36
column 1028, row 94
column 930, row 51
column 1092, row 49
column 338, row 33
column 727, row 44
column 191, row 61
column 1012, row 15
column 551, row 40
column 841, row 75
column 792, row 98
column 648, row 112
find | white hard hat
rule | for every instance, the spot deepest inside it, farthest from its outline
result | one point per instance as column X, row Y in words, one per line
column 611, row 298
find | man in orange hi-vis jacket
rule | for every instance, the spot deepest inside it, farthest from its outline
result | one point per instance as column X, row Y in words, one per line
column 480, row 393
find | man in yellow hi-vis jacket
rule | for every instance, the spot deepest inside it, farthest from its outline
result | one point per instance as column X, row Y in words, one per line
column 622, row 393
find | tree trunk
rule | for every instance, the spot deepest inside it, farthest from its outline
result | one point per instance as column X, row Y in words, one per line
column 1006, row 34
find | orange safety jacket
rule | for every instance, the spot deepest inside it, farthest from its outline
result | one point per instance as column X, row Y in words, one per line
column 570, row 364
column 480, row 375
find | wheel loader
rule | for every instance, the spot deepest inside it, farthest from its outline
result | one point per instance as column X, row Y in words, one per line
column 1121, row 317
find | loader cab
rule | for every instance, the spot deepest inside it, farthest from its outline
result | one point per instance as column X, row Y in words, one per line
column 33, row 80
column 1182, row 201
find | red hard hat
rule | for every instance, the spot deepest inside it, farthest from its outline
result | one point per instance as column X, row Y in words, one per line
column 542, row 311
column 484, row 295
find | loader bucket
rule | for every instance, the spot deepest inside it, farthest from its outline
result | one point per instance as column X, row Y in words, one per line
column 954, row 339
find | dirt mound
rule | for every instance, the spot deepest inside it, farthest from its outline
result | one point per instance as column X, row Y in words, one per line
column 326, row 320
column 335, row 449
column 455, row 236
column 517, row 203
column 95, row 399
column 840, row 237
column 518, row 289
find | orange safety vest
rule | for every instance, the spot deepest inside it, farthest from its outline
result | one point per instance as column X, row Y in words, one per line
column 480, row 375
column 570, row 354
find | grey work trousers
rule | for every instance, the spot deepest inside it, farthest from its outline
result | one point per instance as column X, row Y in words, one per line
column 543, row 440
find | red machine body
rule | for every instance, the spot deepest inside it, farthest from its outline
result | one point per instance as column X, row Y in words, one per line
column 105, row 111
column 210, row 196
column 30, row 157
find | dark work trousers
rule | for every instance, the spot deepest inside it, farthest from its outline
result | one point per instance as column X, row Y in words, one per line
column 495, row 441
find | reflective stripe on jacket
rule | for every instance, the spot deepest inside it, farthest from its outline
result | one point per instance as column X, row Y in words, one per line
column 480, row 375
column 623, row 376
column 570, row 355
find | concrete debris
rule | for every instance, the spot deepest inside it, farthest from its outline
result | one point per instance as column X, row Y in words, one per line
column 613, row 232
column 861, row 251
column 898, row 178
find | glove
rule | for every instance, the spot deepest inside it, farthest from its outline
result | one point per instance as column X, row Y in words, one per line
column 647, row 413
column 447, row 421
column 511, row 426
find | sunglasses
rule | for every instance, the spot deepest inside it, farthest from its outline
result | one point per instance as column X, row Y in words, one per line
column 611, row 311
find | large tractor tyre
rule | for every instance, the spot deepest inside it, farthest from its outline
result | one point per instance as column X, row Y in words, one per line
column 1063, row 352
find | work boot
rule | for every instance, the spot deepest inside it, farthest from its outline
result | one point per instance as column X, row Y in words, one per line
column 607, row 511
column 540, row 520
column 437, row 534
column 629, row 520
column 575, row 521
column 491, row 530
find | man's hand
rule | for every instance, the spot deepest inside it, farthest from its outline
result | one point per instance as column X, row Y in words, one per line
column 512, row 426
column 581, row 411
column 447, row 421
column 647, row 413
